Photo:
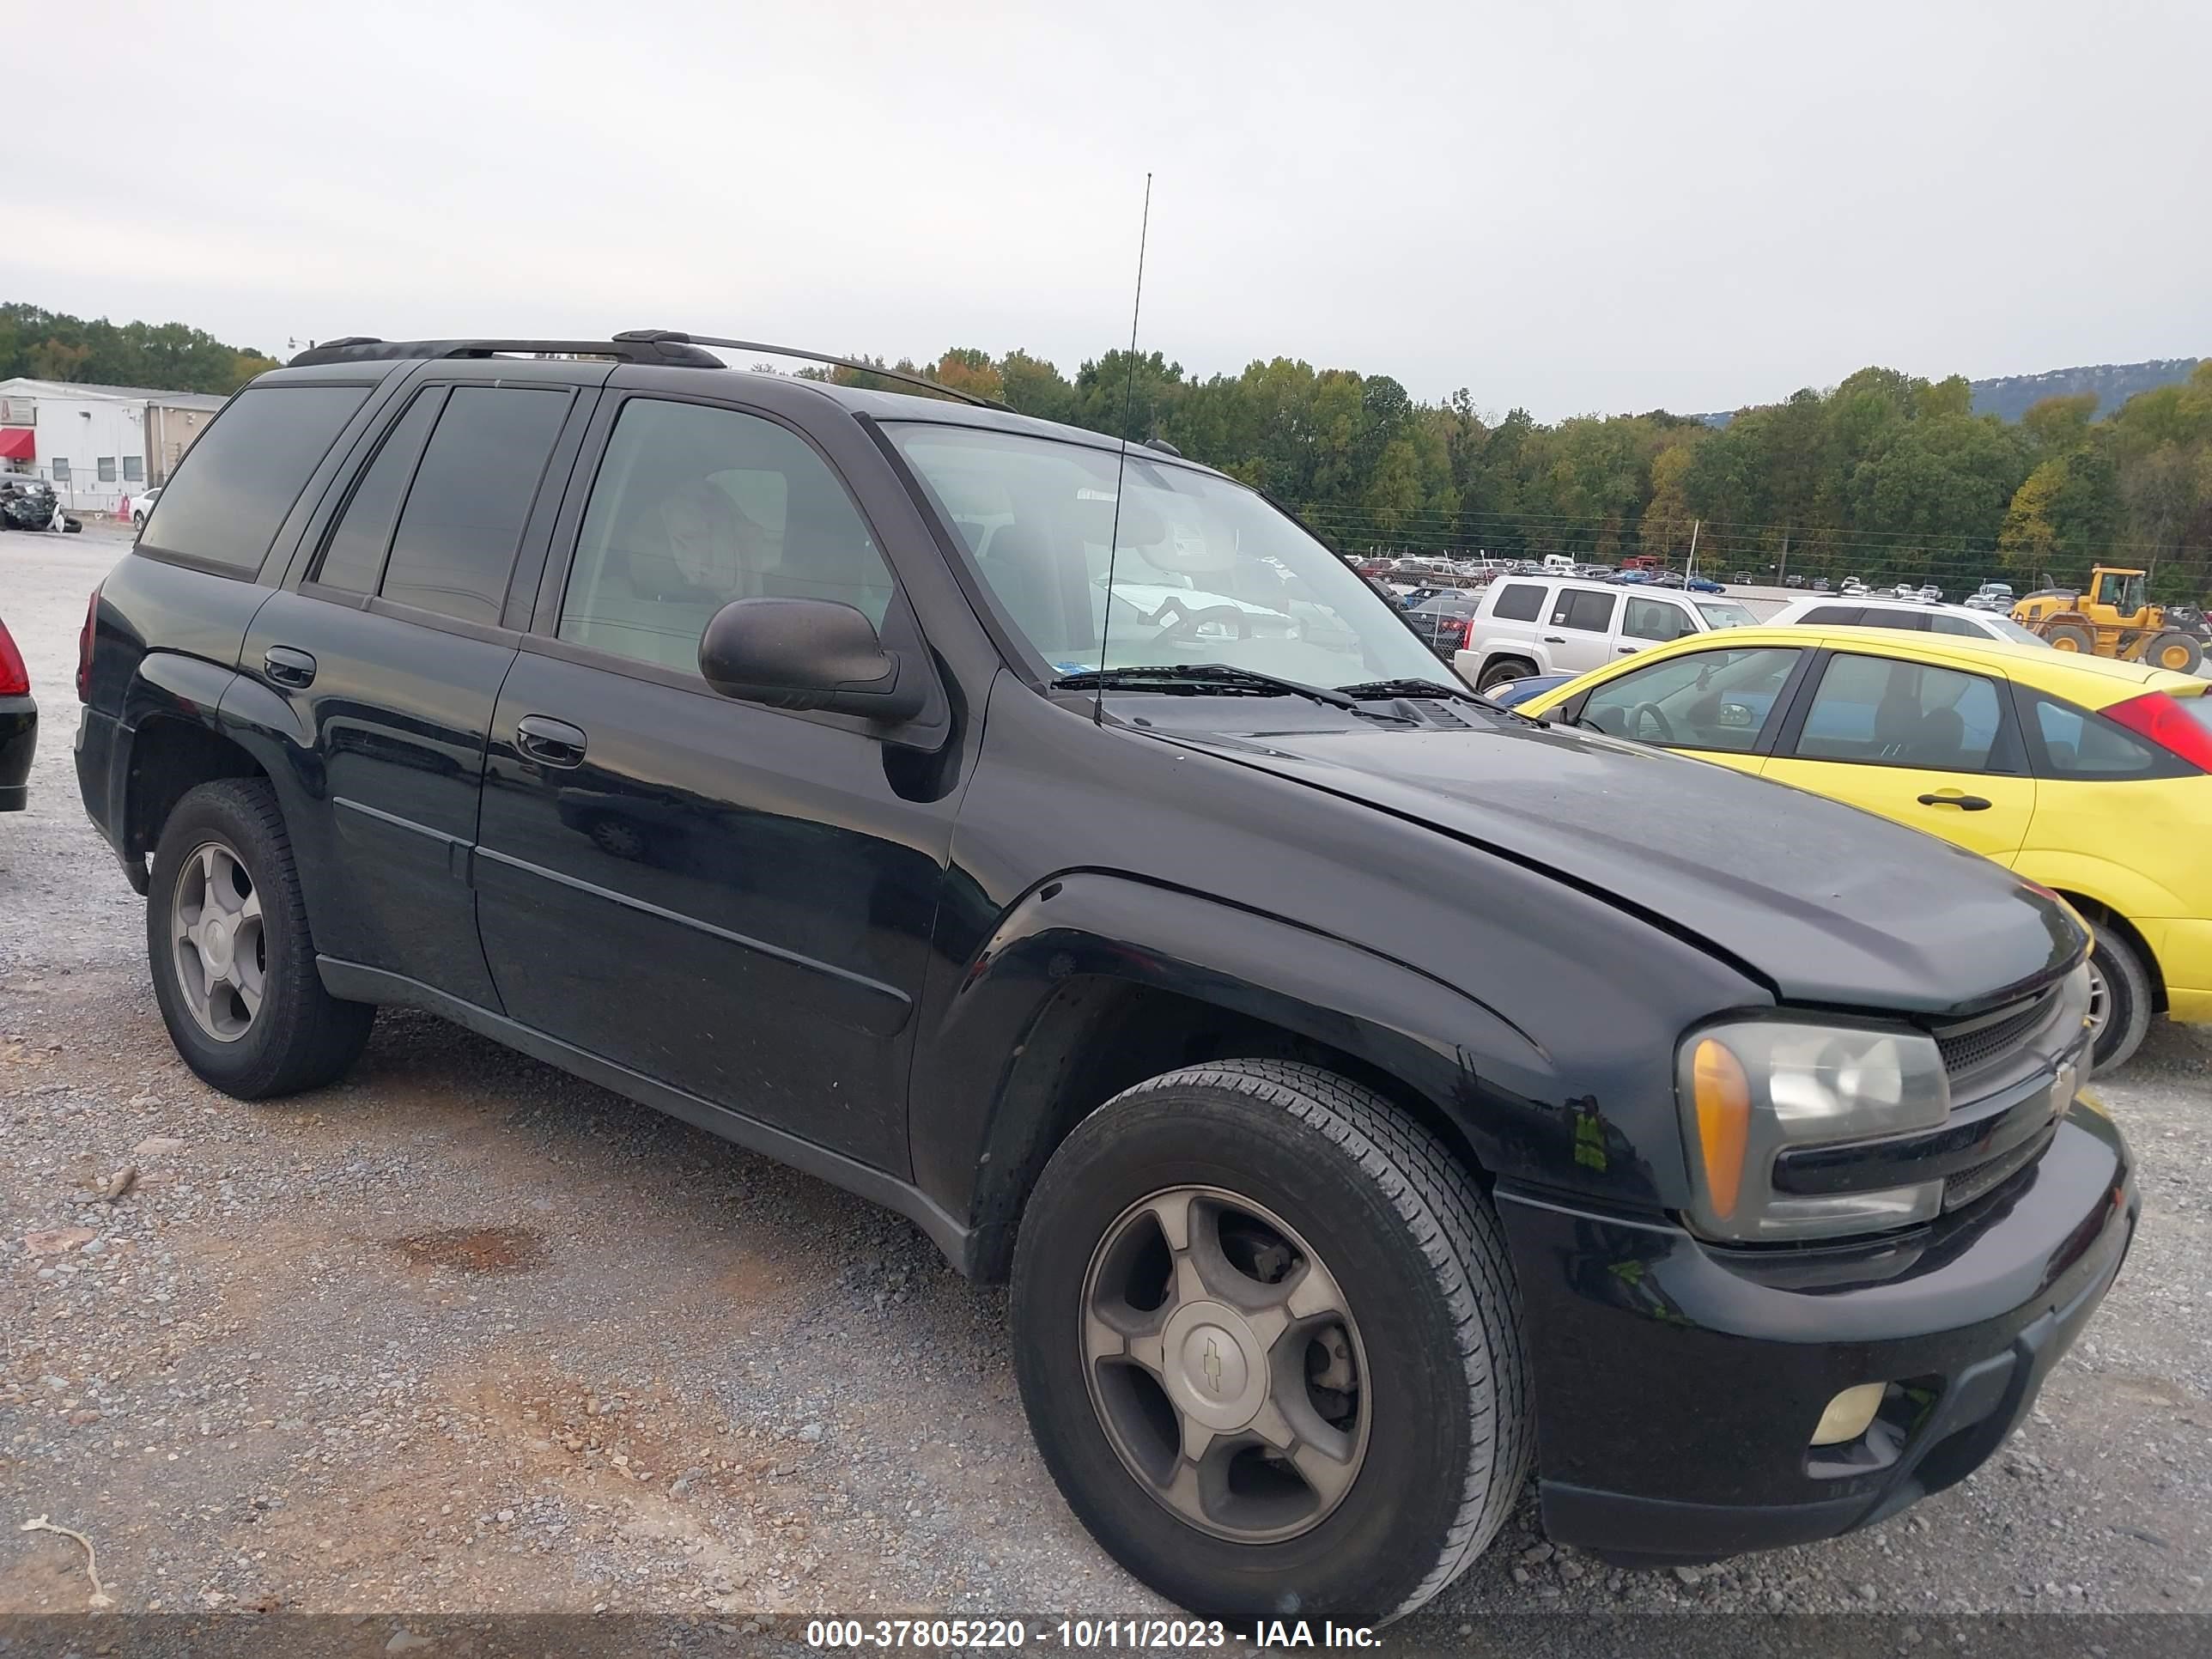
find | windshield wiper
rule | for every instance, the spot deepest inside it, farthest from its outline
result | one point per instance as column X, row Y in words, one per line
column 1413, row 689
column 1201, row 676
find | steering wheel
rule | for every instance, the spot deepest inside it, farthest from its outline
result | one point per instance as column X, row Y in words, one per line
column 1657, row 716
column 1178, row 623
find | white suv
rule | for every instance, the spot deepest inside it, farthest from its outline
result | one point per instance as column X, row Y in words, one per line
column 1864, row 610
column 1565, row 625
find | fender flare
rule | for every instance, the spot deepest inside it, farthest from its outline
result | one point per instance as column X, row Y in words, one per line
column 989, row 1067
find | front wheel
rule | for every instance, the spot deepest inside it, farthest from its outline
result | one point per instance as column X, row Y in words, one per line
column 2119, row 1001
column 1268, row 1341
column 233, row 962
column 2174, row 651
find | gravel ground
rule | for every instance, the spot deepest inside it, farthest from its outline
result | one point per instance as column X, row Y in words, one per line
column 463, row 1334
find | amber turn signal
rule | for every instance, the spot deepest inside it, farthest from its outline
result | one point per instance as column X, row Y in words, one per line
column 1723, row 1100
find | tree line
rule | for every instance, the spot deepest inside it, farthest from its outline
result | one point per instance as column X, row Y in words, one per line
column 52, row 345
column 1887, row 476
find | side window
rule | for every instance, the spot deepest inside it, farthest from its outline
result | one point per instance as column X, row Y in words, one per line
column 2077, row 743
column 232, row 490
column 1832, row 615
column 1705, row 700
column 1579, row 608
column 1942, row 622
column 1658, row 620
column 454, row 547
column 1518, row 602
column 1877, row 617
column 696, row 506
column 353, row 558
column 1901, row 714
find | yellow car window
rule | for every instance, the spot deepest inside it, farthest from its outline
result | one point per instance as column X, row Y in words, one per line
column 1707, row 700
column 1891, row 711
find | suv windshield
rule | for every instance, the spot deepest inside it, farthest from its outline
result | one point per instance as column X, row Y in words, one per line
column 1724, row 613
column 1203, row 569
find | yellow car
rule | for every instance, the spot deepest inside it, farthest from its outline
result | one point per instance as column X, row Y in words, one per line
column 2091, row 777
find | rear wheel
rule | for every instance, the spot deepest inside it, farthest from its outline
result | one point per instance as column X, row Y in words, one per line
column 1498, row 670
column 1269, row 1342
column 2120, row 1000
column 233, row 962
column 2068, row 636
column 2175, row 650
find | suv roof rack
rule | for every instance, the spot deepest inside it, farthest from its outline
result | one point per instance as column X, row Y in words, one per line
column 643, row 346
column 658, row 336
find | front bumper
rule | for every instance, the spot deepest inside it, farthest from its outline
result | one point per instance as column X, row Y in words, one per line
column 1678, row 1384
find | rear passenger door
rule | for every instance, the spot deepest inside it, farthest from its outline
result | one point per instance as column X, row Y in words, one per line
column 390, row 649
column 1579, row 634
column 730, row 900
column 1931, row 746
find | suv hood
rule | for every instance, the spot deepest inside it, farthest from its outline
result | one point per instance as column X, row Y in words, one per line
column 1824, row 903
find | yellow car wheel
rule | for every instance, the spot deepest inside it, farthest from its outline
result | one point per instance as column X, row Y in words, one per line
column 2065, row 636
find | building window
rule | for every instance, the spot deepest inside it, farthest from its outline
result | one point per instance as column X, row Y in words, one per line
column 108, row 469
column 61, row 470
column 134, row 469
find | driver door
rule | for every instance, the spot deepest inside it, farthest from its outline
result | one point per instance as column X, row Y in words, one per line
column 1723, row 704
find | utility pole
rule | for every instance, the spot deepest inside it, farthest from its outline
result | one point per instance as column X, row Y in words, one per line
column 1695, row 525
column 1782, row 570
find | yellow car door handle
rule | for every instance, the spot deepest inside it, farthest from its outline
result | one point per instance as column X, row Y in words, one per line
column 1964, row 803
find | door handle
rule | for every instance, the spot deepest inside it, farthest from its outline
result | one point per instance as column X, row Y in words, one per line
column 1555, row 639
column 548, row 742
column 1624, row 651
column 1964, row 803
column 286, row 666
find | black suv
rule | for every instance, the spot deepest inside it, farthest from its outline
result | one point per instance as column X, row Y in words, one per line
column 1369, row 1092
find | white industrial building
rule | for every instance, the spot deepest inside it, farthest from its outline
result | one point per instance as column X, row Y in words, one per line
column 97, row 444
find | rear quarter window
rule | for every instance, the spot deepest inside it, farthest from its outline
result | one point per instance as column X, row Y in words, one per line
column 232, row 489
column 1518, row 602
column 2078, row 743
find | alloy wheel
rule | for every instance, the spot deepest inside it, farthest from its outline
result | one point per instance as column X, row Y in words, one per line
column 1224, row 1365
column 222, row 953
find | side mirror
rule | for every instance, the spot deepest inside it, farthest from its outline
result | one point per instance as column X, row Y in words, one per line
column 807, row 654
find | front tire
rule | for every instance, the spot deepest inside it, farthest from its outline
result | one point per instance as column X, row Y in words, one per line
column 2175, row 652
column 233, row 962
column 2120, row 1000
column 1268, row 1340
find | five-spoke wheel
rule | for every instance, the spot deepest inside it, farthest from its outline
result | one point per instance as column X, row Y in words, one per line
column 215, row 927
column 1225, row 1363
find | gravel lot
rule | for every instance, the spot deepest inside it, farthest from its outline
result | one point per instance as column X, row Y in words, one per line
column 466, row 1334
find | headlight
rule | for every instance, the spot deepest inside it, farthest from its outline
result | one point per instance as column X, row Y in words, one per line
column 1751, row 1089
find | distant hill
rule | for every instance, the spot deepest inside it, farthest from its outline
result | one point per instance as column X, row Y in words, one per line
column 2011, row 396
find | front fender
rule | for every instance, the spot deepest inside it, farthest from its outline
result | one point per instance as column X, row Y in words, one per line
column 987, row 1076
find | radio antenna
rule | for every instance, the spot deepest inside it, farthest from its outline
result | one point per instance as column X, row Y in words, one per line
column 1121, row 461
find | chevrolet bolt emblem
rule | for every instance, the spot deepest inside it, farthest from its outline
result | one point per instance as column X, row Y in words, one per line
column 1211, row 1365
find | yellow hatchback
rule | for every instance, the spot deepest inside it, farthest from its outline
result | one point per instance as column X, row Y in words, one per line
column 2091, row 777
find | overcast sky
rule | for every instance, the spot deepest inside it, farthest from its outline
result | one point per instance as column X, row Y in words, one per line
column 1568, row 205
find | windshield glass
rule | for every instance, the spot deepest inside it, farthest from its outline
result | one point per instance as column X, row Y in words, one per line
column 1204, row 570
column 1724, row 613
column 2012, row 630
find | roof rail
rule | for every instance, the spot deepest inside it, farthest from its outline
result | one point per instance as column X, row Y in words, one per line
column 669, row 337
column 669, row 350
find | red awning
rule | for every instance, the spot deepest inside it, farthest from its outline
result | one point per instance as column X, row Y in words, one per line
column 18, row 443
